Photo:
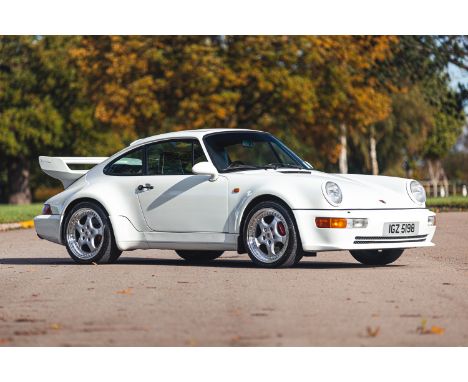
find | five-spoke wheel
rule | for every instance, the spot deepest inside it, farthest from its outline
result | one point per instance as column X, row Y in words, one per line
column 270, row 235
column 88, row 235
column 85, row 233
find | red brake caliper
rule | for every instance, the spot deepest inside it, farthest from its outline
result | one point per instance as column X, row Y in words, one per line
column 281, row 229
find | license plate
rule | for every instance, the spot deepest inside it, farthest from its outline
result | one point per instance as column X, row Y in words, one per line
column 400, row 229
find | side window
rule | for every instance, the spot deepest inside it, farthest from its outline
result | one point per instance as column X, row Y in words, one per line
column 127, row 165
column 174, row 157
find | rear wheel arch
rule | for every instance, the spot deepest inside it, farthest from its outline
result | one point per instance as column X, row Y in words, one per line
column 70, row 206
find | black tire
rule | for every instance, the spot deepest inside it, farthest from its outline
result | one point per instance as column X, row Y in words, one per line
column 108, row 252
column 299, row 257
column 292, row 253
column 199, row 256
column 377, row 256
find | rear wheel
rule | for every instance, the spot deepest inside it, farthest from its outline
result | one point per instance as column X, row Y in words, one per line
column 271, row 237
column 88, row 235
column 377, row 256
column 199, row 256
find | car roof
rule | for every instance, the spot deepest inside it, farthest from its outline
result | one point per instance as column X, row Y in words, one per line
column 200, row 133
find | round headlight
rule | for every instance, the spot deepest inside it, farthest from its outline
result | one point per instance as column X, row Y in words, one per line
column 417, row 192
column 333, row 193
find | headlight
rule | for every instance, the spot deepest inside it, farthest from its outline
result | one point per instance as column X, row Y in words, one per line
column 332, row 193
column 417, row 192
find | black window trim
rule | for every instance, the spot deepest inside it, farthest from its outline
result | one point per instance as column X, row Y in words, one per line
column 107, row 167
column 145, row 155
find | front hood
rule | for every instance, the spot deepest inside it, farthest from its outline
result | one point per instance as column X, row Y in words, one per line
column 374, row 192
column 303, row 190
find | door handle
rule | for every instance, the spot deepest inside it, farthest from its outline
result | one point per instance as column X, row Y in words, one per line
column 147, row 186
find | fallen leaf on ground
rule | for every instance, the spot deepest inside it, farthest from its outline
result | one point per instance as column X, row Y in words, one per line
column 4, row 341
column 125, row 291
column 56, row 326
column 437, row 330
column 373, row 332
column 433, row 330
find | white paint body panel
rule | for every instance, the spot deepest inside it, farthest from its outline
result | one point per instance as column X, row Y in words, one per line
column 185, row 203
column 192, row 212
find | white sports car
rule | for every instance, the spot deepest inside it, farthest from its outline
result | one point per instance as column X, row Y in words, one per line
column 203, row 192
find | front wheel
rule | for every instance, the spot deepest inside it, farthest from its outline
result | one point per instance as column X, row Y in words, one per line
column 271, row 237
column 199, row 256
column 377, row 256
column 88, row 235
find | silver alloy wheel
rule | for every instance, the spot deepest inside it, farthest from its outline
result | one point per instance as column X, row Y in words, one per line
column 85, row 233
column 267, row 235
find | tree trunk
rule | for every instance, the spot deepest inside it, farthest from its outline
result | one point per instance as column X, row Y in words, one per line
column 444, row 180
column 373, row 152
column 434, row 166
column 18, row 180
column 343, row 150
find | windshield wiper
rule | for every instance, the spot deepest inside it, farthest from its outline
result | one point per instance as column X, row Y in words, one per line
column 276, row 166
column 238, row 167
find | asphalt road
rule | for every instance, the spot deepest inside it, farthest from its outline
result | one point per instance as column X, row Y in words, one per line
column 153, row 298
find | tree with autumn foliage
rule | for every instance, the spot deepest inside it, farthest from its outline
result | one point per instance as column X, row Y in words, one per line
column 336, row 100
column 352, row 95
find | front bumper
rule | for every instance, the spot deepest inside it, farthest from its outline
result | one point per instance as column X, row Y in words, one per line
column 48, row 227
column 330, row 239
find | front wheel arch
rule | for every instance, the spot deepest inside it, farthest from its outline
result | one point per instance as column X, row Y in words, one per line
column 258, row 199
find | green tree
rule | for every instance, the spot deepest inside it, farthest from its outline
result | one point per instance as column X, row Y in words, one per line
column 29, row 119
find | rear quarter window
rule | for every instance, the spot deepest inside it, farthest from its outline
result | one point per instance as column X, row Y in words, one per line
column 129, row 164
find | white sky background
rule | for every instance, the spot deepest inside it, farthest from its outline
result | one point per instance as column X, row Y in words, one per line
column 457, row 75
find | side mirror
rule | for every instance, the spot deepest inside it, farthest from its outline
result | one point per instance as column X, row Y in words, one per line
column 206, row 168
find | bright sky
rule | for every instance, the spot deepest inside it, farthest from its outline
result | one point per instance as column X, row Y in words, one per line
column 457, row 75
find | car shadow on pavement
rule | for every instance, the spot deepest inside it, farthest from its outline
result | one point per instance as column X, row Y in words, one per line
column 219, row 263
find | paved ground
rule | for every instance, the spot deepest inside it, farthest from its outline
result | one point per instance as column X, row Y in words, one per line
column 153, row 298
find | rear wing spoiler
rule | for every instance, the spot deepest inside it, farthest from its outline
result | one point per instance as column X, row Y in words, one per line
column 57, row 167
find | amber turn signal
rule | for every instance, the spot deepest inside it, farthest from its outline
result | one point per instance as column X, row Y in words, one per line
column 331, row 222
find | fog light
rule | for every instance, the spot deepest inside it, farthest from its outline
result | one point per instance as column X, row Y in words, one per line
column 431, row 220
column 46, row 210
column 357, row 223
column 331, row 222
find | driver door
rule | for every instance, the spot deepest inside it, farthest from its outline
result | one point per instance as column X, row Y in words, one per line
column 173, row 199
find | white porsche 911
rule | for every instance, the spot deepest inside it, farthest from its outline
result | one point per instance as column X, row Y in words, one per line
column 203, row 192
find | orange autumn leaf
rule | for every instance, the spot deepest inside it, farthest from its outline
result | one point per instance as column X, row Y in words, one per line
column 437, row 330
column 433, row 330
column 125, row 291
column 373, row 332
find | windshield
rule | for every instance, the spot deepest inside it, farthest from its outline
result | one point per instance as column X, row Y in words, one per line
column 234, row 151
